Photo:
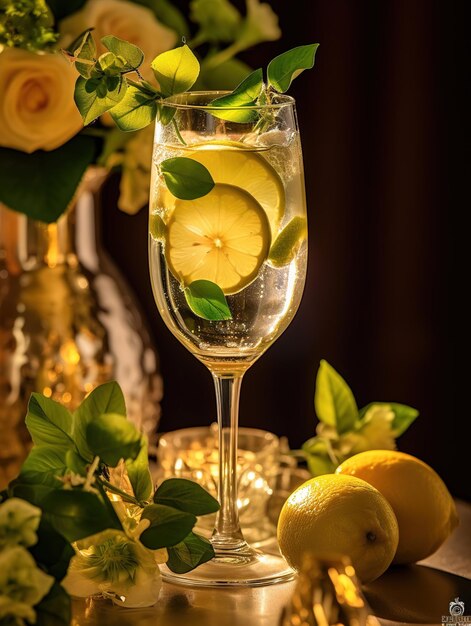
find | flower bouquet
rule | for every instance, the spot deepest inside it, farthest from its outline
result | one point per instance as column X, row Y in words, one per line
column 83, row 516
column 44, row 149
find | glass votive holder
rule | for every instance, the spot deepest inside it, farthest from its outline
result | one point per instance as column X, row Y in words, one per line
column 193, row 453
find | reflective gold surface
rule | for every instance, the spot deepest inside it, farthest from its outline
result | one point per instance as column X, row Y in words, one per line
column 403, row 595
column 67, row 322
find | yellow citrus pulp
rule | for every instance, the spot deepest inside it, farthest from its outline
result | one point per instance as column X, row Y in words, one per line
column 223, row 237
column 424, row 508
column 337, row 514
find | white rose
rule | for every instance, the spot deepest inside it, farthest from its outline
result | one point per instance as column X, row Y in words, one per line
column 132, row 22
column 19, row 521
column 37, row 109
column 22, row 585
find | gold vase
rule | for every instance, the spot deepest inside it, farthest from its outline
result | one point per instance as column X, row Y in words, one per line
column 68, row 322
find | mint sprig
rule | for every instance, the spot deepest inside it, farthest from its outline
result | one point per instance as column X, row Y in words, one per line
column 345, row 430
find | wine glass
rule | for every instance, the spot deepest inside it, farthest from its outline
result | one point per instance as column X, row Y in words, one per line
column 248, row 237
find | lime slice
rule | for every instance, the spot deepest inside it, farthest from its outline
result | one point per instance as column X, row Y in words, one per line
column 156, row 226
column 288, row 242
column 231, row 163
column 223, row 237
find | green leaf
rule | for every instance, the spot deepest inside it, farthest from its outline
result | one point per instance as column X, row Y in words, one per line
column 53, row 177
column 55, row 609
column 189, row 553
column 52, row 551
column 168, row 526
column 139, row 474
column 136, row 110
column 176, row 70
column 112, row 437
column 106, row 398
column 48, row 422
column 30, row 488
column 46, row 459
column 334, row 400
column 244, row 95
column 287, row 66
column 84, row 48
column 128, row 51
column 404, row 415
column 207, row 300
column 186, row 178
column 95, row 96
column 319, row 464
column 76, row 514
column 186, row 495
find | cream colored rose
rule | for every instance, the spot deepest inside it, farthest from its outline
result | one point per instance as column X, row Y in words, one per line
column 132, row 22
column 37, row 108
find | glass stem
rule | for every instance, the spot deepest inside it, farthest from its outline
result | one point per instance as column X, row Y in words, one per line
column 227, row 535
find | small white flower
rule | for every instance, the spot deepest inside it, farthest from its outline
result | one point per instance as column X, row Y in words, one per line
column 22, row 585
column 19, row 521
column 376, row 432
column 112, row 564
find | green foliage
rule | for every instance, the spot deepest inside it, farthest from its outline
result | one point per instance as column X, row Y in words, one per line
column 176, row 70
column 244, row 95
column 334, row 400
column 67, row 475
column 403, row 415
column 111, row 437
column 344, row 430
column 168, row 526
column 287, row 66
column 186, row 178
column 27, row 24
column 77, row 514
column 207, row 300
column 139, row 474
column 52, row 177
column 136, row 110
column 131, row 56
column 189, row 553
column 186, row 495
column 95, row 96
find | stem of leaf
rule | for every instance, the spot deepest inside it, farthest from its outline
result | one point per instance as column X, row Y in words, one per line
column 198, row 40
column 177, row 131
column 223, row 55
column 119, row 492
column 109, row 506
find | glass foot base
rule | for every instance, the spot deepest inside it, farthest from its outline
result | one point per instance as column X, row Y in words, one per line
column 235, row 570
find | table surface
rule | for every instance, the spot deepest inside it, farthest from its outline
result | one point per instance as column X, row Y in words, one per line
column 417, row 594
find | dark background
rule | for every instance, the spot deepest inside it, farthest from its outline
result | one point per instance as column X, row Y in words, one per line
column 382, row 124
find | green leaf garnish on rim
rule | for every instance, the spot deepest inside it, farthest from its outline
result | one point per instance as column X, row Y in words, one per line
column 176, row 70
column 186, row 178
column 131, row 55
column 244, row 95
column 287, row 66
column 95, row 96
column 207, row 300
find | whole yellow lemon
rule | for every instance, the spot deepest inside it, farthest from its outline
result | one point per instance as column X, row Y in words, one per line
column 336, row 514
column 424, row 508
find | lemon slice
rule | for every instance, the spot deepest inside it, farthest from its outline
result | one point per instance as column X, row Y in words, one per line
column 288, row 242
column 223, row 237
column 231, row 163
